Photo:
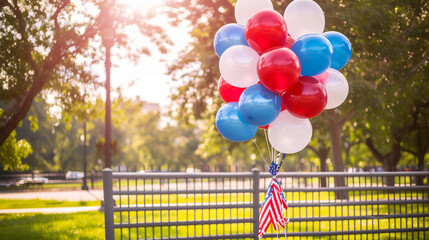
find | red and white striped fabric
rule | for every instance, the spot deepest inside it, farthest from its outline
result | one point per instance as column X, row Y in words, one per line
column 272, row 209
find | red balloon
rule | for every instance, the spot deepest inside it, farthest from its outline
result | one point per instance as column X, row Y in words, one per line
column 279, row 69
column 228, row 92
column 306, row 99
column 265, row 29
column 289, row 42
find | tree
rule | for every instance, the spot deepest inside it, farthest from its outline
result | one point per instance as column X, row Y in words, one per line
column 417, row 143
column 320, row 145
column 392, row 63
column 36, row 43
column 145, row 138
column 47, row 46
column 38, row 128
column 387, row 72
column 12, row 151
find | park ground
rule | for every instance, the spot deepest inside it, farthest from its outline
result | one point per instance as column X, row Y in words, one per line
column 48, row 214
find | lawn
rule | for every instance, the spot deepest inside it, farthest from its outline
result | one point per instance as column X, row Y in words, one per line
column 74, row 185
column 296, row 212
column 86, row 225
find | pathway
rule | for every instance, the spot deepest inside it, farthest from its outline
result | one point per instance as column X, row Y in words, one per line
column 72, row 195
column 50, row 210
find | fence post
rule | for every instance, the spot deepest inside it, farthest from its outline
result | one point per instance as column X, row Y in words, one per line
column 255, row 172
column 108, row 204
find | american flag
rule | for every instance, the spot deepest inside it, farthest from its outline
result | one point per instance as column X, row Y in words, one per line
column 272, row 209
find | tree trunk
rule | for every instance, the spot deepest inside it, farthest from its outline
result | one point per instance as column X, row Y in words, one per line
column 322, row 153
column 422, row 148
column 389, row 167
column 389, row 160
column 23, row 107
column 24, row 104
column 337, row 152
column 420, row 166
column 323, row 168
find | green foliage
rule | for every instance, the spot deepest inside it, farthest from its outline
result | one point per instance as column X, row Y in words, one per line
column 197, row 67
column 138, row 138
column 148, row 139
column 390, row 63
column 46, row 48
column 43, row 140
column 12, row 151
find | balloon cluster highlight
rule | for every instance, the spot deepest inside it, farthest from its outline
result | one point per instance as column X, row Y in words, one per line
column 278, row 71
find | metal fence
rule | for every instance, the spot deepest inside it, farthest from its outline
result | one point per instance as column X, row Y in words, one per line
column 379, row 205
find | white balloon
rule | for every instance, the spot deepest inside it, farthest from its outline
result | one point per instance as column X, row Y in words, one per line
column 304, row 17
column 289, row 134
column 238, row 66
column 337, row 88
column 244, row 9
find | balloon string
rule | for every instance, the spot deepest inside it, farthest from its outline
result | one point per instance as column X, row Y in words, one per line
column 280, row 164
column 288, row 218
column 273, row 152
column 275, row 139
column 268, row 145
column 254, row 140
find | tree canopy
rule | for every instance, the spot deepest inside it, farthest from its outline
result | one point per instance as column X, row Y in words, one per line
column 48, row 47
column 387, row 73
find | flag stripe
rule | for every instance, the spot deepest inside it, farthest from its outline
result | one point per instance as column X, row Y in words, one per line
column 272, row 209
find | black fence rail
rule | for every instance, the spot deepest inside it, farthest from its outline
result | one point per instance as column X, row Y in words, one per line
column 337, row 205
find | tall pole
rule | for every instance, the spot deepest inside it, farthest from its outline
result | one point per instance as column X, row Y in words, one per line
column 108, row 127
column 84, row 185
column 108, row 33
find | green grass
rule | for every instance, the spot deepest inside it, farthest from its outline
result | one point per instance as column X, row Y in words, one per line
column 86, row 225
column 37, row 203
column 296, row 212
column 90, row 225
column 78, row 185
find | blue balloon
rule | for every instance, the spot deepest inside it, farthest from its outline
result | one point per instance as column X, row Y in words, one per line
column 227, row 36
column 231, row 124
column 342, row 49
column 314, row 52
column 259, row 106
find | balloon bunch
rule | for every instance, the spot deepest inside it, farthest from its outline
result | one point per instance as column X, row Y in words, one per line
column 278, row 71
